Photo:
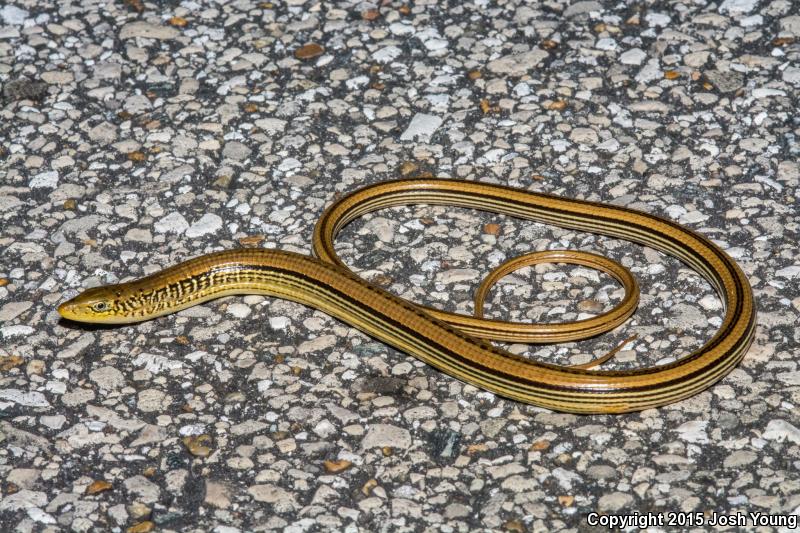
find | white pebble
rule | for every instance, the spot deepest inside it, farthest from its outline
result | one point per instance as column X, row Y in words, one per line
column 208, row 223
column 239, row 310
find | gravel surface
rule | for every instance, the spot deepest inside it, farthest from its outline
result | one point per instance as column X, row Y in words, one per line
column 136, row 134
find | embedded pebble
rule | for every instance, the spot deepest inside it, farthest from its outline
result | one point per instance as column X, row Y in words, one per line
column 781, row 430
column 422, row 126
column 517, row 64
column 12, row 310
column 27, row 399
column 380, row 435
column 171, row 223
column 148, row 30
column 207, row 224
column 13, row 15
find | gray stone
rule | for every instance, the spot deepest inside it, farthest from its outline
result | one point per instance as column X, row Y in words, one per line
column 171, row 223
column 208, row 224
column 583, row 8
column 143, row 489
column 47, row 179
column 107, row 377
column 516, row 65
column 12, row 310
column 737, row 6
column 739, row 458
column 790, row 25
column 147, row 30
column 77, row 396
column 281, row 500
column 781, row 430
column 614, row 501
column 76, row 348
column 23, row 398
column 13, row 15
column 422, row 127
column 23, row 499
column 103, row 133
column 725, row 81
column 236, row 151
column 380, row 435
column 634, row 56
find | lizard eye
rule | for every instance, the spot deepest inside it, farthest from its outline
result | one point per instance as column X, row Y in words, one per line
column 100, row 307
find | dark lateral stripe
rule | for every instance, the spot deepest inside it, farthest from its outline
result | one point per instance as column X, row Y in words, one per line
column 468, row 365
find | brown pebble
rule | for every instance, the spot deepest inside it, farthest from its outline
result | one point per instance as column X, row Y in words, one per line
column 486, row 107
column 387, row 451
column 492, row 229
column 70, row 204
column 558, row 105
column 783, row 41
column 198, row 445
column 137, row 156
column 11, row 488
column 370, row 14
column 566, row 501
column 600, row 27
column 590, row 306
column 309, row 51
column 540, row 445
column 250, row 108
column 178, row 22
column 12, row 361
column 516, row 525
column 404, row 9
column 150, row 471
column 97, row 486
column 474, row 75
column 183, row 340
column 141, row 527
column 474, row 449
column 549, row 44
column 366, row 490
column 136, row 5
column 223, row 182
column 407, row 168
column 4, row 282
column 334, row 467
column 672, row 74
column 252, row 240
